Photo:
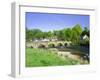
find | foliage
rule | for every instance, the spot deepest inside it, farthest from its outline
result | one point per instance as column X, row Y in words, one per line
column 78, row 29
column 34, row 33
column 76, row 32
column 67, row 34
column 85, row 32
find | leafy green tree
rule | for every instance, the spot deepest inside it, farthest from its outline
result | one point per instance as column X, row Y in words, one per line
column 36, row 33
column 49, row 34
column 76, row 33
column 67, row 34
column 85, row 32
column 29, row 35
column 60, row 35
column 33, row 34
column 78, row 29
column 55, row 33
column 75, row 37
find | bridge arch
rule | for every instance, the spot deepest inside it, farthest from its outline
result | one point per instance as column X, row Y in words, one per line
column 60, row 44
column 48, row 44
column 51, row 45
column 65, row 44
column 41, row 46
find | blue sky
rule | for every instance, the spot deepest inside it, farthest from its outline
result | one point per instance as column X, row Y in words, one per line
column 49, row 22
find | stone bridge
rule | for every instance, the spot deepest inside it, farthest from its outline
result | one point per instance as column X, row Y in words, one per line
column 47, row 44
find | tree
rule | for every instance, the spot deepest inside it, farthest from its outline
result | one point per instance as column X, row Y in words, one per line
column 33, row 34
column 49, row 34
column 29, row 35
column 75, row 37
column 78, row 29
column 60, row 35
column 85, row 42
column 67, row 34
column 55, row 33
column 85, row 32
column 76, row 33
column 37, row 34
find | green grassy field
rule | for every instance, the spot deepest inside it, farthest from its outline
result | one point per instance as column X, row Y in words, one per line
column 43, row 57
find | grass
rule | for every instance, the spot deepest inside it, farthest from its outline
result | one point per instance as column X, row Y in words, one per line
column 44, row 57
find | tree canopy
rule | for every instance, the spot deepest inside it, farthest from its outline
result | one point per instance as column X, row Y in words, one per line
column 66, row 34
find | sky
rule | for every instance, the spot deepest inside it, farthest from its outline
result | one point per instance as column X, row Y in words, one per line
column 51, row 21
